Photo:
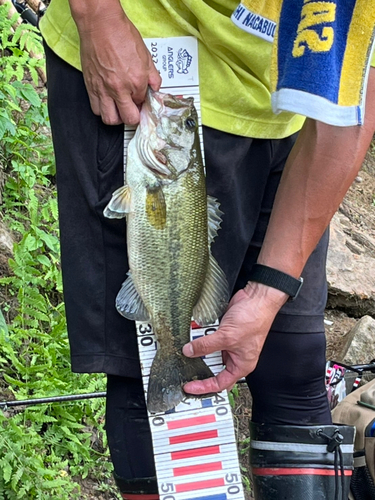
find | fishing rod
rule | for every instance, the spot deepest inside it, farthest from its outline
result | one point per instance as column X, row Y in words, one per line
column 26, row 12
column 91, row 395
column 4, row 405
column 54, row 399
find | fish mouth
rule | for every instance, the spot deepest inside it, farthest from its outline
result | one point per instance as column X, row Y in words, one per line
column 150, row 145
column 158, row 130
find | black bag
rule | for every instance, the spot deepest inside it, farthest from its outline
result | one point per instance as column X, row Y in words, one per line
column 358, row 409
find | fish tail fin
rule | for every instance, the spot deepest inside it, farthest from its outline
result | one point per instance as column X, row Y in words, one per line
column 167, row 377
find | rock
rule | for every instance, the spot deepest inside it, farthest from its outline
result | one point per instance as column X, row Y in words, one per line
column 362, row 342
column 350, row 269
column 6, row 241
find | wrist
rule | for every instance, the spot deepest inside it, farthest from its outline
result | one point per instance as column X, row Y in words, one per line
column 277, row 279
column 274, row 297
column 87, row 14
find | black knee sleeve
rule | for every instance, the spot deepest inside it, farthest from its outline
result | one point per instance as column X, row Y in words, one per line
column 127, row 427
column 288, row 384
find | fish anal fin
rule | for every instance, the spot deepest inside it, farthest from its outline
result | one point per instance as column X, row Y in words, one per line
column 129, row 303
column 214, row 296
column 120, row 203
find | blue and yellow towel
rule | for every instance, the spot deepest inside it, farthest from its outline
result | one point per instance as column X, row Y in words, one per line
column 321, row 54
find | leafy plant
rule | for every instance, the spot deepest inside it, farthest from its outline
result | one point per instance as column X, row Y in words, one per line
column 42, row 448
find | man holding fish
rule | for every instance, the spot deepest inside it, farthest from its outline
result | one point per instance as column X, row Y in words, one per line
column 277, row 194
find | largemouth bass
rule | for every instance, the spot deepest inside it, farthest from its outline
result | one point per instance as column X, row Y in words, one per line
column 171, row 224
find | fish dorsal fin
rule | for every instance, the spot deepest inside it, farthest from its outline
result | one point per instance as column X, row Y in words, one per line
column 214, row 218
column 120, row 204
column 129, row 303
column 214, row 297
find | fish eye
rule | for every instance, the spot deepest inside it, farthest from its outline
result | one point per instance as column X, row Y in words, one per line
column 190, row 123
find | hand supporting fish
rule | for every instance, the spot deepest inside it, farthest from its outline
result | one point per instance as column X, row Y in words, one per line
column 171, row 224
column 241, row 335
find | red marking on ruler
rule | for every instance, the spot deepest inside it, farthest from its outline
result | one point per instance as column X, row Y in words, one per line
column 200, row 485
column 197, row 469
column 197, row 436
column 188, row 422
column 194, row 325
column 196, row 452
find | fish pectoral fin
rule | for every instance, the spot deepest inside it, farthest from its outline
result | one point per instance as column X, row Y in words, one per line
column 129, row 303
column 214, row 297
column 214, row 218
column 120, row 204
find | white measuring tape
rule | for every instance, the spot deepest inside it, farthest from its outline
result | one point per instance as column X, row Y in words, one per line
column 194, row 444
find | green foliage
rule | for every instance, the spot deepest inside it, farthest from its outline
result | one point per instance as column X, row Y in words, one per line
column 42, row 448
column 233, row 394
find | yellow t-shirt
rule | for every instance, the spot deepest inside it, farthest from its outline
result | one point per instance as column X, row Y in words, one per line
column 233, row 65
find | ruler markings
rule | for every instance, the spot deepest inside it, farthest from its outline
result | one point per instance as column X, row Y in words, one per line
column 195, row 452
column 192, row 421
column 196, row 436
column 197, row 469
column 218, row 423
column 221, row 496
column 203, row 451
column 217, row 465
column 214, row 494
column 200, row 485
column 226, row 461
column 212, row 481
column 160, row 445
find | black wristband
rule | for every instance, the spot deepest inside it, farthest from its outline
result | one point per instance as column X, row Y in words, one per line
column 276, row 279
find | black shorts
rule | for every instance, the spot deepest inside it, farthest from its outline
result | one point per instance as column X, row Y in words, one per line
column 242, row 173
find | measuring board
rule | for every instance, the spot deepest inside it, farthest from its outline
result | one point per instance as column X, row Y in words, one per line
column 194, row 444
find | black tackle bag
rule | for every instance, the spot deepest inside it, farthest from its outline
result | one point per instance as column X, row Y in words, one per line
column 358, row 409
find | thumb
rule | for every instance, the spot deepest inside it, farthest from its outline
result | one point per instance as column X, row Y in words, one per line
column 203, row 345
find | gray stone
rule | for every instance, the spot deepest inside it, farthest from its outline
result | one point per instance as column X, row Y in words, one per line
column 362, row 346
column 350, row 270
column 6, row 241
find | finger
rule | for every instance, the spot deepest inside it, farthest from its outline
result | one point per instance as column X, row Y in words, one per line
column 109, row 111
column 128, row 111
column 204, row 345
column 139, row 94
column 154, row 80
column 224, row 380
column 95, row 104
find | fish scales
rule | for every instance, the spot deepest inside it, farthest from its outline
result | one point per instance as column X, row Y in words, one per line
column 174, row 258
